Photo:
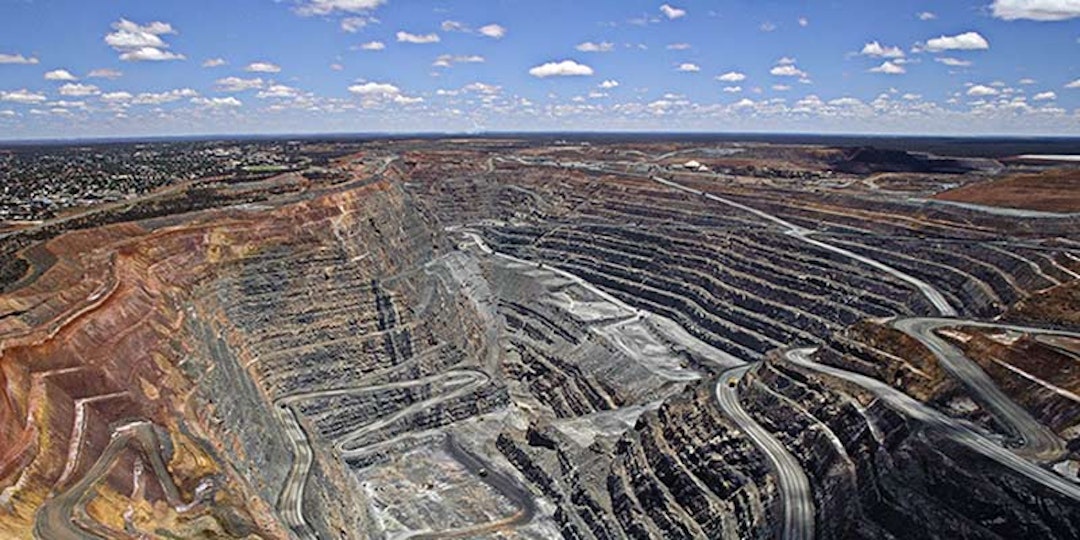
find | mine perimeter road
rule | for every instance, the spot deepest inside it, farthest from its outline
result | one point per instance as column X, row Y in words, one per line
column 954, row 429
column 1039, row 441
column 798, row 499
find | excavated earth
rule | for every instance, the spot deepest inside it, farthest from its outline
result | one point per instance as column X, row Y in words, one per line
column 499, row 339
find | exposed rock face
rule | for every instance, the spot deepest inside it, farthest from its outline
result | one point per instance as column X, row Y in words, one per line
column 456, row 343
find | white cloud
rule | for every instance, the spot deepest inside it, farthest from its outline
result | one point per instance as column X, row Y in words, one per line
column 353, row 25
column 373, row 46
column 689, row 68
column 278, row 91
column 236, row 84
column 104, row 73
column 672, row 12
column 732, row 76
column 889, row 68
column 116, row 97
column 60, row 75
column 926, row 15
column 446, row 60
column 217, row 102
column 609, row 84
column 781, row 87
column 16, row 59
column 493, row 31
column 601, row 47
column 787, row 70
column 76, row 89
column 141, row 43
column 22, row 96
column 733, row 89
column 565, row 68
column 1045, row 96
column 405, row 37
column 767, row 26
column 481, row 88
column 678, row 46
column 214, row 62
column 149, row 54
column 374, row 89
column 876, row 49
column 785, row 61
column 1036, row 10
column 1074, row 84
column 804, row 22
column 1026, row 81
column 158, row 98
column 953, row 62
column 325, row 7
column 968, row 41
column 845, row 102
column 262, row 67
column 744, row 103
column 980, row 90
column 454, row 26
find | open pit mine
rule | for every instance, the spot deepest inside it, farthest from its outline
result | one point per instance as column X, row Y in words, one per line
column 512, row 338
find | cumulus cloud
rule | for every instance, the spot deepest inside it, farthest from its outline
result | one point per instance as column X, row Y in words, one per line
column 17, row 59
column 980, row 90
column 374, row 89
column 968, row 41
column 732, row 76
column 589, row 46
column 1036, row 10
column 493, row 31
column 733, row 89
column 1026, row 81
column 60, row 75
column 104, row 73
column 278, row 91
column 149, row 54
column 326, row 7
column 781, row 87
column 804, row 22
column 447, row 60
column 889, row 68
column 217, row 102
column 564, row 68
column 878, row 50
column 22, row 96
column 689, row 67
column 214, row 62
column 482, row 88
column 117, row 97
column 76, row 89
column 609, row 84
column 353, row 25
column 405, row 37
column 672, row 12
column 237, row 84
column 953, row 62
column 141, row 42
column 926, row 15
column 787, row 70
column 374, row 93
column 262, row 67
column 1074, row 84
column 373, row 46
column 1045, row 96
column 158, row 98
column 678, row 46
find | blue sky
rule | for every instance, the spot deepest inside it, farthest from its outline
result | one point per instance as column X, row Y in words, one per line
column 72, row 68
